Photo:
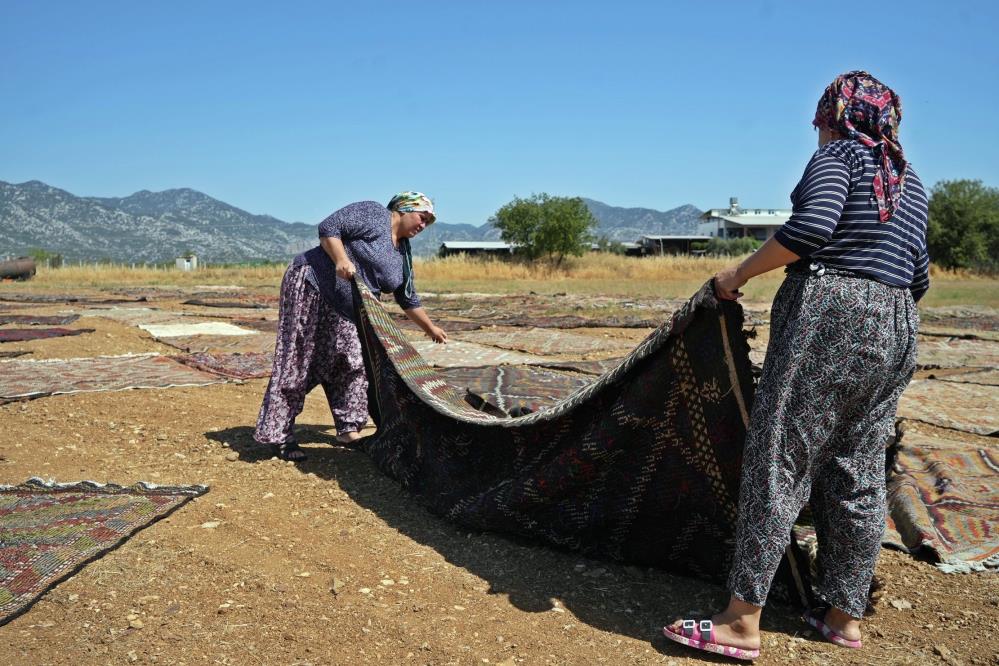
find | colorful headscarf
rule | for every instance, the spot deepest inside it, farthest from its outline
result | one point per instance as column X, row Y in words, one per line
column 407, row 202
column 860, row 107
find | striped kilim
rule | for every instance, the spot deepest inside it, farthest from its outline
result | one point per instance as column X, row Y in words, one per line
column 943, row 500
column 640, row 466
column 49, row 530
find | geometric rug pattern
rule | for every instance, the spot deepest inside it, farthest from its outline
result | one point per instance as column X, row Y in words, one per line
column 27, row 378
column 48, row 531
column 943, row 499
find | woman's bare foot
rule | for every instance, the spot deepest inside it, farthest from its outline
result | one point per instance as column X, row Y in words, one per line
column 846, row 626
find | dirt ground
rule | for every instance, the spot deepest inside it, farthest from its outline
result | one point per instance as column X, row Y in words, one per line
column 330, row 562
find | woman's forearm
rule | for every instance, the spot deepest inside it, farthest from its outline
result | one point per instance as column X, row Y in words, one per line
column 333, row 246
column 770, row 256
column 420, row 317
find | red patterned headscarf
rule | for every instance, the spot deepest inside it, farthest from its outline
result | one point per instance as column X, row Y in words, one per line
column 860, row 107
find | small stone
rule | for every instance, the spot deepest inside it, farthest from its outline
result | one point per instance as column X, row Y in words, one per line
column 901, row 604
column 232, row 456
column 211, row 524
column 268, row 495
column 135, row 624
column 73, row 597
column 304, row 574
column 387, row 582
column 458, row 608
column 146, row 599
column 941, row 650
column 365, row 590
column 337, row 586
column 132, row 656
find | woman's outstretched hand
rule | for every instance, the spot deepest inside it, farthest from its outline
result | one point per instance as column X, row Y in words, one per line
column 437, row 334
column 345, row 269
column 727, row 283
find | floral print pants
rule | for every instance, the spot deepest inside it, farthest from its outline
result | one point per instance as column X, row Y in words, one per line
column 315, row 345
column 842, row 350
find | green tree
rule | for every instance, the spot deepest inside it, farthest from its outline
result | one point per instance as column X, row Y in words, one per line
column 546, row 226
column 963, row 230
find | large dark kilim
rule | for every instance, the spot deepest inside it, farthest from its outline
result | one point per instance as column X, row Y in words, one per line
column 48, row 531
column 25, row 334
column 641, row 466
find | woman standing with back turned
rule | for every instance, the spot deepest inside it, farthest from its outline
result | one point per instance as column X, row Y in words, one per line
column 842, row 349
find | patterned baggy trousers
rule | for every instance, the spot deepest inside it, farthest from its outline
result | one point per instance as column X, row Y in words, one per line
column 842, row 349
column 315, row 345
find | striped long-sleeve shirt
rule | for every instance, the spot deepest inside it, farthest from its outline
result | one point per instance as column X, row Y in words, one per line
column 835, row 220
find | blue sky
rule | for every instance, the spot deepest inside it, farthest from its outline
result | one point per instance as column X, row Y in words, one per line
column 295, row 109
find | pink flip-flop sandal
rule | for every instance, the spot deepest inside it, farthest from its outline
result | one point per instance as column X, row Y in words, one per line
column 814, row 618
column 701, row 636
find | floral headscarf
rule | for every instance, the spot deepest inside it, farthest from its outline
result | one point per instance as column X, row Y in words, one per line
column 860, row 107
column 408, row 202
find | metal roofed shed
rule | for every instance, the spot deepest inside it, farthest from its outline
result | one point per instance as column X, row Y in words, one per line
column 738, row 222
column 671, row 244
column 451, row 248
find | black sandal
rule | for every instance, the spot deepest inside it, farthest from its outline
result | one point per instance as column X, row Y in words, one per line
column 289, row 451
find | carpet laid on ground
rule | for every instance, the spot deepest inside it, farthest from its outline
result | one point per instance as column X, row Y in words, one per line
column 641, row 466
column 544, row 341
column 957, row 353
column 575, row 321
column 26, row 334
column 28, row 378
column 196, row 328
column 235, row 366
column 222, row 344
column 598, row 367
column 458, row 353
column 959, row 405
column 38, row 320
column 988, row 377
column 517, row 388
column 48, row 531
column 943, row 501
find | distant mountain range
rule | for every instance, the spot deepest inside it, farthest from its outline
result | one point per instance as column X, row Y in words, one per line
column 158, row 226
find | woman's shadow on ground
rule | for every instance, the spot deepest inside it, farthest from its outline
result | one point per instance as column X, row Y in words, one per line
column 629, row 600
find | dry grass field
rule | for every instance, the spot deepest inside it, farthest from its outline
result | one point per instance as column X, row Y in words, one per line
column 330, row 562
column 592, row 274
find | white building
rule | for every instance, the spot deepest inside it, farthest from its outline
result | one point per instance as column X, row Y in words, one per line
column 449, row 248
column 188, row 263
column 738, row 222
